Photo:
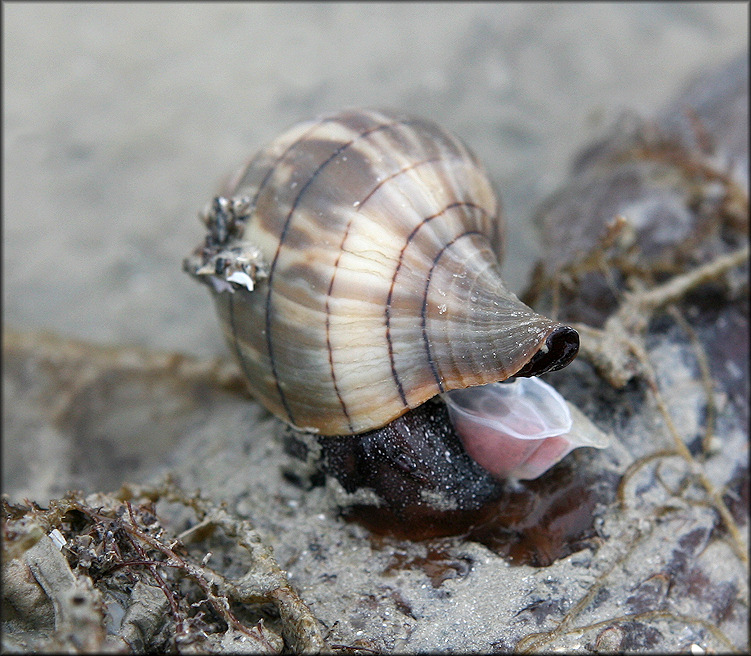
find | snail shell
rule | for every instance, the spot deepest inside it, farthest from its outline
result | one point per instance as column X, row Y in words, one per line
column 354, row 266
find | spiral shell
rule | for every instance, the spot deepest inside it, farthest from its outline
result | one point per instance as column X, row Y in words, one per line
column 354, row 265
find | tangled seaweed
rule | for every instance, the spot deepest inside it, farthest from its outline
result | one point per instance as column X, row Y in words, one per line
column 113, row 557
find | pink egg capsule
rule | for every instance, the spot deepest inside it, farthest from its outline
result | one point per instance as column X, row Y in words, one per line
column 517, row 429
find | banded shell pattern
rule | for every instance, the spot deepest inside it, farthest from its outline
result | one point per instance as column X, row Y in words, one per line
column 354, row 266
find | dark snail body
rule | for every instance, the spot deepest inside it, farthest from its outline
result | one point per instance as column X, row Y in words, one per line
column 415, row 460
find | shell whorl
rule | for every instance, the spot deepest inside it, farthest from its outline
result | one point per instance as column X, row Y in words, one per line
column 375, row 282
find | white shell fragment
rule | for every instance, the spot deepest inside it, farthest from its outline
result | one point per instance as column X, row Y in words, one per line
column 57, row 539
column 519, row 429
column 241, row 278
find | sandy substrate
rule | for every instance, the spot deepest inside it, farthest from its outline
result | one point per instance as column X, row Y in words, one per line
column 120, row 123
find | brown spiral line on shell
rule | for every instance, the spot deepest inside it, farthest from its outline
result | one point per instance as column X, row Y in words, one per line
column 402, row 171
column 334, row 156
column 254, row 201
column 282, row 237
column 423, row 312
column 409, row 239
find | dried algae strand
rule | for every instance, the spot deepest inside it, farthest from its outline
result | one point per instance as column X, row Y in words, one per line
column 133, row 576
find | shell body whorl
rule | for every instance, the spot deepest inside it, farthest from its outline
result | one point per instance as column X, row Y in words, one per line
column 355, row 272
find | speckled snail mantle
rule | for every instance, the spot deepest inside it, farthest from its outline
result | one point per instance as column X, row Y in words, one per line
column 354, row 263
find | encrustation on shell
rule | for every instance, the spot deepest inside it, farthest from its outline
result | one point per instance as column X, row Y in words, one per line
column 354, row 263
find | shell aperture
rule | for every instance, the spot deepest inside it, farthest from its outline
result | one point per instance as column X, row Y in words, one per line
column 516, row 429
column 354, row 267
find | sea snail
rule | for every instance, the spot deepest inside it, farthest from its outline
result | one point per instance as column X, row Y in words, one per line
column 354, row 264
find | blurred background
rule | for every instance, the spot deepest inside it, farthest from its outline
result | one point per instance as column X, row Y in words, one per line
column 121, row 120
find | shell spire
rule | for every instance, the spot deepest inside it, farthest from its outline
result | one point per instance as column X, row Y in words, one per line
column 356, row 274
